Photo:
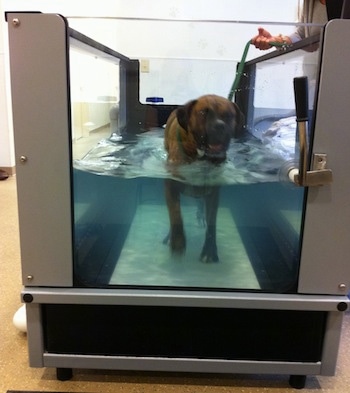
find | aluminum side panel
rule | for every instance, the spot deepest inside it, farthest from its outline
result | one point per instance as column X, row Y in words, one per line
column 39, row 80
column 325, row 266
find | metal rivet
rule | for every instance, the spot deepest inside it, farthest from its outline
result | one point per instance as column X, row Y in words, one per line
column 16, row 22
column 23, row 159
column 30, row 278
column 342, row 287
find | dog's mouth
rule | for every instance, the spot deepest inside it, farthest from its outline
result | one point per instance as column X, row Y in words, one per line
column 212, row 151
column 216, row 149
column 214, row 143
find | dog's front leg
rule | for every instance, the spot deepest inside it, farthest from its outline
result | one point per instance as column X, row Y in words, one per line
column 209, row 251
column 177, row 236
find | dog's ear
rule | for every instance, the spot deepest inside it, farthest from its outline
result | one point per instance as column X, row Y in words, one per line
column 183, row 114
column 239, row 129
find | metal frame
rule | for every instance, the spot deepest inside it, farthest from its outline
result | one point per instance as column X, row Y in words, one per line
column 41, row 120
column 323, row 267
column 40, row 358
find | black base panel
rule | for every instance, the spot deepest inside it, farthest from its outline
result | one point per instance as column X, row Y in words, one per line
column 184, row 332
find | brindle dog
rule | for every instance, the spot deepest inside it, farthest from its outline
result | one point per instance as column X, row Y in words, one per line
column 201, row 129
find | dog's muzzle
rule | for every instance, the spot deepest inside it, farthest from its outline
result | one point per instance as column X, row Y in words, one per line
column 215, row 143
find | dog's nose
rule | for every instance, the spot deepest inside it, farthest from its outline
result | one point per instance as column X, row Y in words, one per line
column 219, row 126
column 218, row 131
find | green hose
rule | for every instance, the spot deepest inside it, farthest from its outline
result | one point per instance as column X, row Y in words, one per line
column 239, row 71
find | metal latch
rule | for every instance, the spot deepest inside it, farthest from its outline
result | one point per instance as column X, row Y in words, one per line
column 318, row 176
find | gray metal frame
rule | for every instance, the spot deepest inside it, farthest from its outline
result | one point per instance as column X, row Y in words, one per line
column 40, row 358
column 324, row 266
column 41, row 120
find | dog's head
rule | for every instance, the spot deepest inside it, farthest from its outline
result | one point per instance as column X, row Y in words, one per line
column 213, row 121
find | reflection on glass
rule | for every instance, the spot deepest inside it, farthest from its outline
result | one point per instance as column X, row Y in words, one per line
column 121, row 217
column 94, row 99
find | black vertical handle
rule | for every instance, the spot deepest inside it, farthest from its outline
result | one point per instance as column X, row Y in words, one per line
column 302, row 109
column 301, row 98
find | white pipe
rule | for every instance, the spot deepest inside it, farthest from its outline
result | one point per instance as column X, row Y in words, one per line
column 292, row 173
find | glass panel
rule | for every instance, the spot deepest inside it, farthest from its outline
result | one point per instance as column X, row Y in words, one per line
column 121, row 174
column 273, row 76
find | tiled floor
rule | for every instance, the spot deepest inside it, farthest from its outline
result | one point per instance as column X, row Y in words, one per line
column 16, row 375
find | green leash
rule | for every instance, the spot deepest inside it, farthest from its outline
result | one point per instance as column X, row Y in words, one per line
column 239, row 72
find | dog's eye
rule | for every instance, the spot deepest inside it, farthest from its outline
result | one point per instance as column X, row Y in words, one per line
column 203, row 112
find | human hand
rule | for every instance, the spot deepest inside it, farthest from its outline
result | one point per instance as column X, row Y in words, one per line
column 264, row 40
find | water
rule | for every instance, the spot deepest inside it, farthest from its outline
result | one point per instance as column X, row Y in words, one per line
column 251, row 160
column 121, row 218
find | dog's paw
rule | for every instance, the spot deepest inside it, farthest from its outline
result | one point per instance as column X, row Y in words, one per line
column 205, row 258
column 177, row 244
column 177, row 240
column 209, row 254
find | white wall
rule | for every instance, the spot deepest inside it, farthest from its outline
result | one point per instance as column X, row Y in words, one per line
column 142, row 40
column 252, row 10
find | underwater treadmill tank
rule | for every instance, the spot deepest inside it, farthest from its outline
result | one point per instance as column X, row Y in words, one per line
column 102, row 287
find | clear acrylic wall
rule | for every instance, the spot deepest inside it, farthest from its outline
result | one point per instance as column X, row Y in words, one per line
column 121, row 217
